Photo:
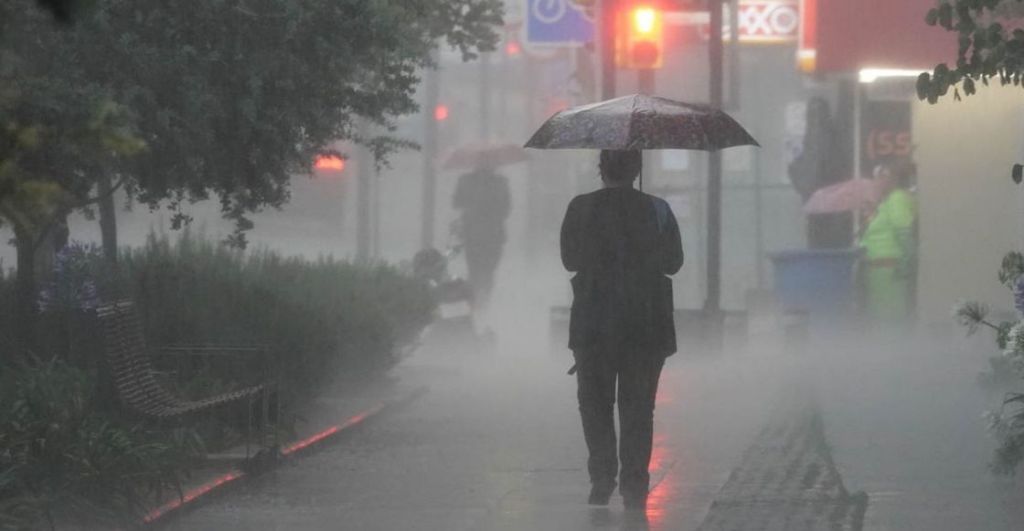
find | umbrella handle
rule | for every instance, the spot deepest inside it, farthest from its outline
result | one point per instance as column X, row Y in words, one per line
column 641, row 171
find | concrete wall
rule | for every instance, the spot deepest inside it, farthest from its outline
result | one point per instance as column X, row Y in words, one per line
column 971, row 213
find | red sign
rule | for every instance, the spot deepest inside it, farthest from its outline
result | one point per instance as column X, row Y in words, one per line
column 885, row 133
column 849, row 36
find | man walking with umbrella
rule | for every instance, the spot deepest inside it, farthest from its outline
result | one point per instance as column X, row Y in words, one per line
column 621, row 243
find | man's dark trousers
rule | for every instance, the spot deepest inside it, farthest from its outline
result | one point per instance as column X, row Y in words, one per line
column 637, row 376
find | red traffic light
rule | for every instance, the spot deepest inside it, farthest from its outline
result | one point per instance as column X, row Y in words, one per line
column 638, row 39
column 513, row 48
column 441, row 112
column 329, row 163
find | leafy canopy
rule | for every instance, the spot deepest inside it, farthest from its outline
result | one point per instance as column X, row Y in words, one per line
column 233, row 97
column 991, row 46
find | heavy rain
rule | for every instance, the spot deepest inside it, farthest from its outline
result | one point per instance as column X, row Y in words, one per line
column 524, row 265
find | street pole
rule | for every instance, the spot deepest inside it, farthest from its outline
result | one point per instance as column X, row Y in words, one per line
column 734, row 55
column 375, row 215
column 364, row 178
column 485, row 96
column 712, row 305
column 607, row 47
column 645, row 81
column 429, row 202
column 645, row 86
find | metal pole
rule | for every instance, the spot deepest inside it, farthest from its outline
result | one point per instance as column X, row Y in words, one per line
column 504, row 92
column 607, row 47
column 734, row 54
column 364, row 178
column 485, row 96
column 430, row 99
column 375, row 217
column 645, row 85
column 858, row 171
column 758, row 220
column 712, row 305
column 645, row 81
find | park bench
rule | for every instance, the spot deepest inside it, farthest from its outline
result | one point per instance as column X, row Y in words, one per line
column 135, row 380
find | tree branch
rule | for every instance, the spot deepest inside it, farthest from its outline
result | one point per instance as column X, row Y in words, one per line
column 99, row 197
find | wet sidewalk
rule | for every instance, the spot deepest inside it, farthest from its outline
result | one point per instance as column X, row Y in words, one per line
column 496, row 444
column 905, row 421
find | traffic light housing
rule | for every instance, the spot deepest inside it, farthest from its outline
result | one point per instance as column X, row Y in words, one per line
column 639, row 39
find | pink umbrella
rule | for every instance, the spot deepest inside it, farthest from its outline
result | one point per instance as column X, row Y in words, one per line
column 846, row 196
column 473, row 156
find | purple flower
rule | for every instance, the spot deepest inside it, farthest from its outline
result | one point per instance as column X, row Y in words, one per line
column 71, row 285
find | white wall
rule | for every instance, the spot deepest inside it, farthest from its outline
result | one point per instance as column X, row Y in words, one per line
column 971, row 213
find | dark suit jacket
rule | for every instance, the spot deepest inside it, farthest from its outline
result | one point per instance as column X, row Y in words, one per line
column 622, row 244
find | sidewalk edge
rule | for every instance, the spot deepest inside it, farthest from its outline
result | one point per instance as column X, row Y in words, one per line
column 200, row 493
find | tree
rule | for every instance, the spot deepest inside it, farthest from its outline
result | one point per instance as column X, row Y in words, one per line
column 991, row 46
column 229, row 97
column 54, row 137
column 233, row 97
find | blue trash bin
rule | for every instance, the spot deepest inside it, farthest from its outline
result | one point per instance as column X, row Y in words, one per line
column 819, row 282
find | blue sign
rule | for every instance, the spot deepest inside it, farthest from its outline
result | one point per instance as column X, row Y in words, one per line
column 558, row 22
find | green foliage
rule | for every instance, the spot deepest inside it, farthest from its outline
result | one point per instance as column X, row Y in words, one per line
column 56, row 136
column 63, row 458
column 323, row 319
column 1012, row 268
column 233, row 97
column 991, row 46
column 1009, row 429
column 60, row 460
column 1006, row 424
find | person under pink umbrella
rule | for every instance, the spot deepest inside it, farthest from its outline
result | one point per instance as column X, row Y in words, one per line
column 483, row 155
column 483, row 200
column 847, row 196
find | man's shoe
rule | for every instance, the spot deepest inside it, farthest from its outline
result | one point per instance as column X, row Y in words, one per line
column 601, row 494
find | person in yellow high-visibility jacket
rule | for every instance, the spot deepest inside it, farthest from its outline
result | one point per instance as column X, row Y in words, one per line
column 889, row 243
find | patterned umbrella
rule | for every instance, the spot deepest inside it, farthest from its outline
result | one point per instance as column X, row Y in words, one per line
column 641, row 122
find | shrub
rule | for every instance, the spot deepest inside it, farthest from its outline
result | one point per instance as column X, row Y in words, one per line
column 64, row 458
column 323, row 319
column 61, row 461
column 1007, row 423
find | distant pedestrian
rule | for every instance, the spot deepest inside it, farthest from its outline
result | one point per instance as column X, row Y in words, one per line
column 622, row 244
column 890, row 244
column 482, row 197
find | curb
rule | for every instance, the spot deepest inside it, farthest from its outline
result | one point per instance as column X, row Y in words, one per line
column 219, row 485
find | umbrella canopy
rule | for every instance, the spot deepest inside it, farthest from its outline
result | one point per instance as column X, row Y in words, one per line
column 641, row 122
column 473, row 156
column 846, row 196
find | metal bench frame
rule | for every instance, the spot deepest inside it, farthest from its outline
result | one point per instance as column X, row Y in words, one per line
column 138, row 389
